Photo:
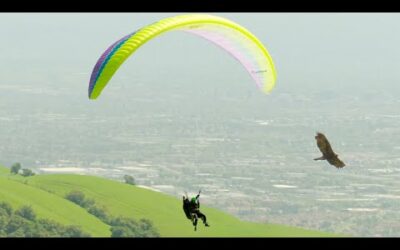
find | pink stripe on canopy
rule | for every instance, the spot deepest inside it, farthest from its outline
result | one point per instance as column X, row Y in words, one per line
column 235, row 49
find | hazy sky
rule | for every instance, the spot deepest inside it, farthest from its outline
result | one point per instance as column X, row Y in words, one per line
column 320, row 50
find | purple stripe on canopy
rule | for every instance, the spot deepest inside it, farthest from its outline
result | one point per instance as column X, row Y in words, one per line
column 96, row 70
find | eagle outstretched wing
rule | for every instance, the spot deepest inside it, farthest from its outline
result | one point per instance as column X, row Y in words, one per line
column 335, row 161
column 327, row 152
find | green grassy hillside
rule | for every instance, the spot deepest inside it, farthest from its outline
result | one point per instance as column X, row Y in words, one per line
column 51, row 206
column 4, row 171
column 46, row 192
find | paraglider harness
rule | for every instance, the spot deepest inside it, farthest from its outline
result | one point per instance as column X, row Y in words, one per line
column 191, row 206
column 186, row 207
column 192, row 209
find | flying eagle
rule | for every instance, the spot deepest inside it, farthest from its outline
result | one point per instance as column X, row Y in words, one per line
column 327, row 152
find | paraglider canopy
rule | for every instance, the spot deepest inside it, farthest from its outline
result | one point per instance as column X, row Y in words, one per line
column 229, row 36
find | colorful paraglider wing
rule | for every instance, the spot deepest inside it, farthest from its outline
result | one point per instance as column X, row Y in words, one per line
column 231, row 37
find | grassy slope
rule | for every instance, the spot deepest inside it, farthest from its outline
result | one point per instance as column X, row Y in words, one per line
column 4, row 170
column 165, row 211
column 48, row 205
column 122, row 199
